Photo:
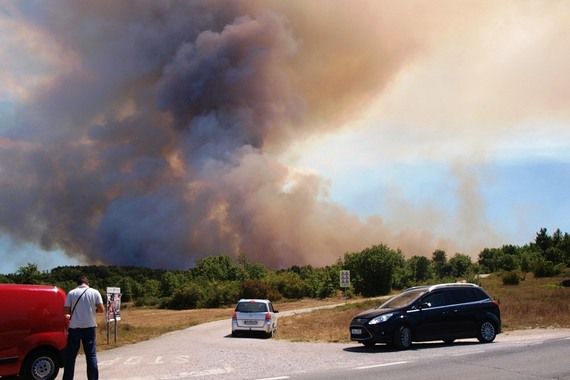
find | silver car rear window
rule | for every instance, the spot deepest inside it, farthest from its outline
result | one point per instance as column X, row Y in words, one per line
column 251, row 307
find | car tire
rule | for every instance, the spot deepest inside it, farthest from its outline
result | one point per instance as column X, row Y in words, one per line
column 40, row 365
column 403, row 338
column 487, row 332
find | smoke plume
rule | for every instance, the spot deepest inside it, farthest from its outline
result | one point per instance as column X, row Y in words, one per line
column 156, row 143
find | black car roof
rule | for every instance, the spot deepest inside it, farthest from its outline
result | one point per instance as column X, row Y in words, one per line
column 443, row 286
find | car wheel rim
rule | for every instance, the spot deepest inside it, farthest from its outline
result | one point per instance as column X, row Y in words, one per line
column 43, row 368
column 487, row 331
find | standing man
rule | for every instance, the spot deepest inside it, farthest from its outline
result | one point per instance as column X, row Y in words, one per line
column 81, row 305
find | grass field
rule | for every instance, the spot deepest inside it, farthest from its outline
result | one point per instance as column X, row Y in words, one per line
column 534, row 303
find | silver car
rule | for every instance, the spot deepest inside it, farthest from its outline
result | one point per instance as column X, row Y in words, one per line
column 254, row 315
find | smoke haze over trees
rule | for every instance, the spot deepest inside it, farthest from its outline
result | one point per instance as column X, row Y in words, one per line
column 150, row 133
column 220, row 281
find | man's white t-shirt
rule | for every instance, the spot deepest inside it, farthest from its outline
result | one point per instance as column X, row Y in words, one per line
column 84, row 314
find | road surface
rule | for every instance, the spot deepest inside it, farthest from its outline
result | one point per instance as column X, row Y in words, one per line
column 208, row 351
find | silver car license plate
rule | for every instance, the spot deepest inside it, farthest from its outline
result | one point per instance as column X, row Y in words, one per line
column 250, row 322
column 356, row 331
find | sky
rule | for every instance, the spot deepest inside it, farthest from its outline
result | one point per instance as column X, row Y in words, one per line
column 157, row 133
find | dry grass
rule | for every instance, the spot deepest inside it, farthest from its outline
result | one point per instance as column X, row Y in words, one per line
column 534, row 303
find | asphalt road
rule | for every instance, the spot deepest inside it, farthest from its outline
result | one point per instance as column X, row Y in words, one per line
column 208, row 352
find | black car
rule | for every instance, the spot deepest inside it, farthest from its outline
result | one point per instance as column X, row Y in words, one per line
column 426, row 313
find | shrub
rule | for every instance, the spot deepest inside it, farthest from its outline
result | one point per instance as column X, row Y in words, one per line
column 290, row 285
column 187, row 297
column 217, row 294
column 511, row 278
column 258, row 289
column 544, row 268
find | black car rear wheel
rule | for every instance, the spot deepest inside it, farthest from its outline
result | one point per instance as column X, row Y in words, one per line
column 403, row 338
column 487, row 332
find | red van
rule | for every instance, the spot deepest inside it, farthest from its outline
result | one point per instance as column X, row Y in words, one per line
column 33, row 331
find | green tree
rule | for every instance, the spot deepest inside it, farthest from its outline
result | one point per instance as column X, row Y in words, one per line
column 543, row 241
column 216, row 268
column 29, row 274
column 420, row 267
column 439, row 262
column 250, row 270
column 373, row 269
column 489, row 259
column 169, row 283
column 460, row 264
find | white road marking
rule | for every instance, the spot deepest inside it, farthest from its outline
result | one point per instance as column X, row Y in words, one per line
column 468, row 353
column 133, row 360
column 275, row 378
column 381, row 365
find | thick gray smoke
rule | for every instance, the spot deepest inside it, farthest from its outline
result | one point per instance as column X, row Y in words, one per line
column 158, row 148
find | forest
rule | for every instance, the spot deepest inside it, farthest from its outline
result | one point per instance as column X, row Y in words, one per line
column 217, row 281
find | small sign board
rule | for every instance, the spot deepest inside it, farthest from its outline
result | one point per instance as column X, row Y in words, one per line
column 344, row 278
column 113, row 304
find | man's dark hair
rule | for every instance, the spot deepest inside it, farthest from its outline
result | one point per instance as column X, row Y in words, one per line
column 82, row 279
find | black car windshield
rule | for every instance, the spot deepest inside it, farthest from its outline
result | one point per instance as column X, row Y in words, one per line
column 403, row 299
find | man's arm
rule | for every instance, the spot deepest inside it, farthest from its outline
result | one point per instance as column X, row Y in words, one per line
column 67, row 312
column 100, row 308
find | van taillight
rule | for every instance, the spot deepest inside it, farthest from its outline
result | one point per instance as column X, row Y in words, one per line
column 234, row 315
column 268, row 316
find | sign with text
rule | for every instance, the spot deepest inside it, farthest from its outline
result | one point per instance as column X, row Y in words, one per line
column 113, row 304
column 344, row 278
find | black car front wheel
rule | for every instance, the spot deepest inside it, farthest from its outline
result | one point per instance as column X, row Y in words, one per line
column 403, row 338
column 487, row 332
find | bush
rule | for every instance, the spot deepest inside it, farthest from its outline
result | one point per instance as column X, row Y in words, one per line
column 290, row 285
column 187, row 297
column 258, row 289
column 511, row 278
column 217, row 294
column 544, row 268
column 148, row 301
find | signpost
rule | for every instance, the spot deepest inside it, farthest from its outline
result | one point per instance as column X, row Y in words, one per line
column 344, row 278
column 113, row 314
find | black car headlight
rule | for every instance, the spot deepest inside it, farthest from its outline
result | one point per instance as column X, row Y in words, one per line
column 380, row 319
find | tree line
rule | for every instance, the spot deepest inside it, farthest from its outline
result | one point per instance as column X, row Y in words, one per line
column 217, row 281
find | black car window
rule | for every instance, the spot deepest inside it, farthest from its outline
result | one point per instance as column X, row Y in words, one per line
column 457, row 296
column 251, row 307
column 479, row 295
column 434, row 299
column 465, row 295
